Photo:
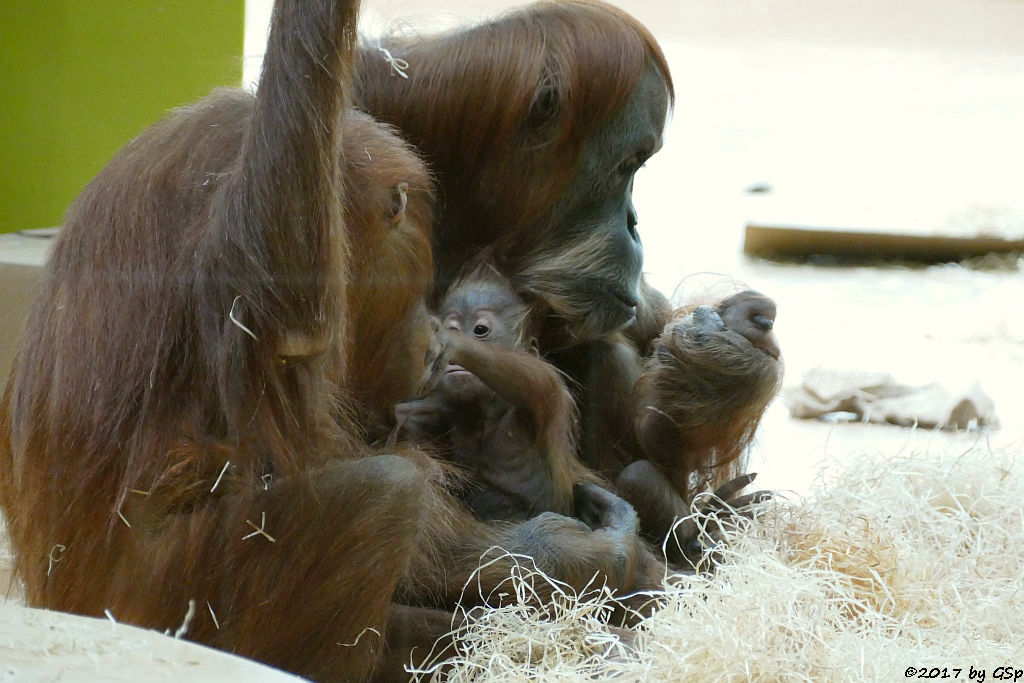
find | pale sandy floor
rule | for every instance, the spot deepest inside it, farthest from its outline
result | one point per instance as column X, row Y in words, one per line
column 861, row 130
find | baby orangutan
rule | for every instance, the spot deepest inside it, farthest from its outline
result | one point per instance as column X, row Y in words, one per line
column 691, row 422
column 497, row 410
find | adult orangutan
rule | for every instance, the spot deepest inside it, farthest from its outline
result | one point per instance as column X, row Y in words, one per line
column 534, row 125
column 180, row 426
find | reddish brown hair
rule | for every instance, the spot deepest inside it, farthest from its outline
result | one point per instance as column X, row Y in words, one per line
column 578, row 61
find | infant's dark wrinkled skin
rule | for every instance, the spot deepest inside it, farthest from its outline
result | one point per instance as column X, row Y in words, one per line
column 497, row 411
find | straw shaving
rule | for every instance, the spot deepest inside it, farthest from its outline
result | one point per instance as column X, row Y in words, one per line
column 260, row 530
column 187, row 621
column 220, row 476
column 238, row 323
column 889, row 563
column 213, row 615
column 56, row 552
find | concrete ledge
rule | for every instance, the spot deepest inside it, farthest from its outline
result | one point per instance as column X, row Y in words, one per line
column 22, row 256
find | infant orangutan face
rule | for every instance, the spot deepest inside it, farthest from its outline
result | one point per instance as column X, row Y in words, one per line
column 487, row 311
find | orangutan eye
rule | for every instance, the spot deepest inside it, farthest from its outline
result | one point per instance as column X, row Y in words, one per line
column 633, row 164
column 628, row 167
column 481, row 330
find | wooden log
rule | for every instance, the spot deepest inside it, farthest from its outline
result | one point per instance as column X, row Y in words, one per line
column 781, row 241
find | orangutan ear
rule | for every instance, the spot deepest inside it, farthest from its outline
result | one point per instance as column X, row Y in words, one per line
column 399, row 200
column 533, row 347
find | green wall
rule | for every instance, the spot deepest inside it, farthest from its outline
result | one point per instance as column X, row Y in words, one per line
column 79, row 78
